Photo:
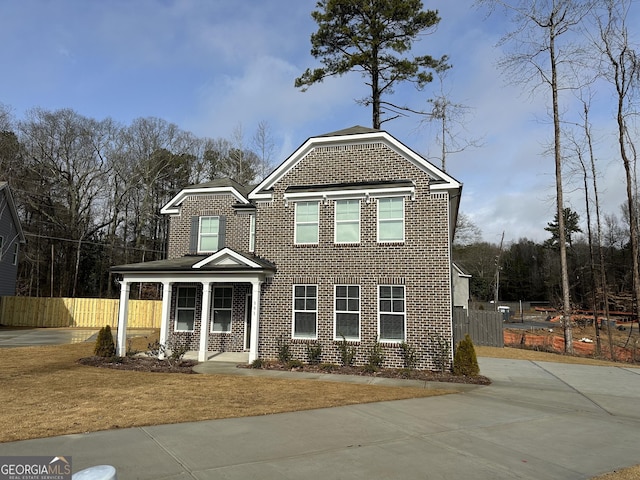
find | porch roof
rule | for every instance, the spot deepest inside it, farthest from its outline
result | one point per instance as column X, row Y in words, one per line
column 225, row 260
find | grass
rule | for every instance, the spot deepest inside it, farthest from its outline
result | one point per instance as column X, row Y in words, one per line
column 45, row 392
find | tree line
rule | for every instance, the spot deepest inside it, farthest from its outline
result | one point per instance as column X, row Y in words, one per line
column 89, row 191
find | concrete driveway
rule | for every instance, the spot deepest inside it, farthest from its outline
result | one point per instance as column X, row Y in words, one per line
column 536, row 421
column 27, row 337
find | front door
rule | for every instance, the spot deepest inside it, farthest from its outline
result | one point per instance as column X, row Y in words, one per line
column 247, row 330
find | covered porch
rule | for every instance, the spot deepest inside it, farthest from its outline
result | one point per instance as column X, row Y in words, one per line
column 210, row 304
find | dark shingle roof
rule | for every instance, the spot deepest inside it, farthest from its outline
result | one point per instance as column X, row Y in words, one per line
column 355, row 130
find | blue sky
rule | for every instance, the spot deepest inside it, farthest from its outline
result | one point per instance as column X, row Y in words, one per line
column 210, row 66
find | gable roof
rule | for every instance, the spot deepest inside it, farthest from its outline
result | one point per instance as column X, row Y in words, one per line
column 221, row 185
column 440, row 180
column 4, row 188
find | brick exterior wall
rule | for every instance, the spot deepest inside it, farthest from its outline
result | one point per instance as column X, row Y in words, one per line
column 237, row 228
column 421, row 263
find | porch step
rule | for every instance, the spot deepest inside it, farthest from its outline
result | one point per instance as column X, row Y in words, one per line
column 232, row 357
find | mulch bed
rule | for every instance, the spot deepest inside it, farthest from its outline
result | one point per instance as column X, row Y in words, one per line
column 423, row 375
column 153, row 364
column 140, row 364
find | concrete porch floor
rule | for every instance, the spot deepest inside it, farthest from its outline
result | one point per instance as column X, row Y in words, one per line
column 229, row 357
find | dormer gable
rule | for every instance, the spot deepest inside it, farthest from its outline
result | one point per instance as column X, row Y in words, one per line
column 219, row 186
column 227, row 258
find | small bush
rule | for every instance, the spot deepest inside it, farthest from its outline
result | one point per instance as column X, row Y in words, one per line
column 258, row 363
column 284, row 351
column 314, row 353
column 347, row 353
column 408, row 356
column 104, row 343
column 465, row 361
column 293, row 364
column 376, row 357
column 328, row 367
column 442, row 350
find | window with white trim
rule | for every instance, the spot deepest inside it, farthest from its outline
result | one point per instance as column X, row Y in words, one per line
column 15, row 253
column 1, row 245
column 347, row 312
column 391, row 313
column 208, row 234
column 185, row 309
column 222, row 308
column 305, row 311
column 347, row 221
column 391, row 219
column 306, row 227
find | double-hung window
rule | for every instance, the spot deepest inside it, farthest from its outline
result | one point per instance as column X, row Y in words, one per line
column 347, row 221
column 391, row 219
column 15, row 253
column 306, row 228
column 222, row 307
column 208, row 234
column 305, row 311
column 391, row 313
column 347, row 311
column 185, row 309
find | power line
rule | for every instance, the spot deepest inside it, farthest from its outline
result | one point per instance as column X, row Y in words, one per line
column 86, row 242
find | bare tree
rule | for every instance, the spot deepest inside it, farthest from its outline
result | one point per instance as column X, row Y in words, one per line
column 544, row 54
column 621, row 67
column 264, row 146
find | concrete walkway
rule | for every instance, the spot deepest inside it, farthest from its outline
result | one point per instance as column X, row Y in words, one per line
column 536, row 421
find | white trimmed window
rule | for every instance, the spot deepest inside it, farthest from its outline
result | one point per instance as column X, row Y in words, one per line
column 185, row 309
column 306, row 228
column 1, row 245
column 252, row 232
column 391, row 313
column 208, row 234
column 391, row 219
column 347, row 312
column 347, row 221
column 305, row 311
column 222, row 308
column 15, row 253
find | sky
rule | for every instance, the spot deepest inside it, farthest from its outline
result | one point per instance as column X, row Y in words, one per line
column 211, row 67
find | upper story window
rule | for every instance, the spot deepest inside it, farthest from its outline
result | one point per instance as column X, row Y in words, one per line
column 391, row 313
column 306, row 227
column 185, row 309
column 15, row 253
column 252, row 232
column 208, row 234
column 391, row 219
column 347, row 221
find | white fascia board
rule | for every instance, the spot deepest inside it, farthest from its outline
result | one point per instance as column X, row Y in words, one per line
column 226, row 252
column 173, row 207
column 352, row 194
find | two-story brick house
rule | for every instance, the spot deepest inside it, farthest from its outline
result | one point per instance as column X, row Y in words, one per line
column 348, row 239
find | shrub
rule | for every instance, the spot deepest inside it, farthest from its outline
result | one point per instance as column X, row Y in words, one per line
column 314, row 353
column 465, row 361
column 408, row 355
column 104, row 343
column 293, row 364
column 328, row 367
column 284, row 351
column 347, row 353
column 173, row 352
column 258, row 363
column 376, row 357
column 442, row 350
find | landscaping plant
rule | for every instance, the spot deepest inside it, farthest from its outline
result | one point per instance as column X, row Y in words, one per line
column 104, row 343
column 465, row 361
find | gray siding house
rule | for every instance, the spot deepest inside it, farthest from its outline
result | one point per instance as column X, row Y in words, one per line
column 349, row 239
column 11, row 237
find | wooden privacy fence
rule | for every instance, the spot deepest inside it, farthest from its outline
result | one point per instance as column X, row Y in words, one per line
column 484, row 328
column 76, row 312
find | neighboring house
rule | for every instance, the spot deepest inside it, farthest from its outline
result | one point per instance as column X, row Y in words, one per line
column 349, row 238
column 11, row 237
column 460, row 287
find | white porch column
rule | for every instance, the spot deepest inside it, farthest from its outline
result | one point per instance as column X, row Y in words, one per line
column 164, row 321
column 123, row 312
column 204, row 322
column 255, row 320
